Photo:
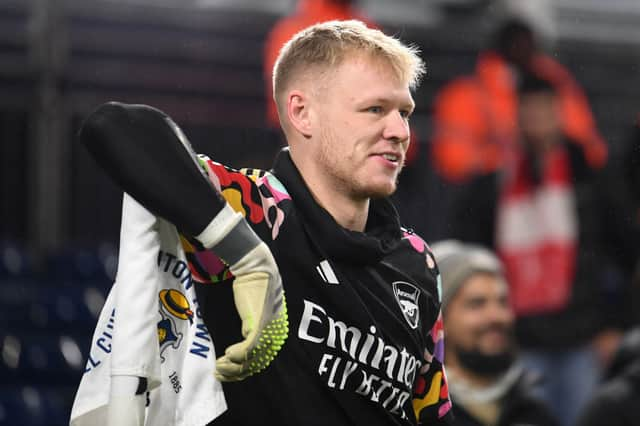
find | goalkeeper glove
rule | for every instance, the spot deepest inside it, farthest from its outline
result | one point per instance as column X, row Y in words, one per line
column 257, row 291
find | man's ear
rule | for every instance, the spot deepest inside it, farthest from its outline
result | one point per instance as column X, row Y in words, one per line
column 298, row 112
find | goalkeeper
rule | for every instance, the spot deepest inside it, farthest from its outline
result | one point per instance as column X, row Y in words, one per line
column 366, row 344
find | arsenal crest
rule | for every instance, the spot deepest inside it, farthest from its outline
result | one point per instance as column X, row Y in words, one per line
column 407, row 297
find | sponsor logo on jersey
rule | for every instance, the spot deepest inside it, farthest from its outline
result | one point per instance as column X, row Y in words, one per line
column 360, row 360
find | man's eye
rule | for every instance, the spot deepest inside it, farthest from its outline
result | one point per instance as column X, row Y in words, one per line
column 405, row 114
column 475, row 303
column 375, row 109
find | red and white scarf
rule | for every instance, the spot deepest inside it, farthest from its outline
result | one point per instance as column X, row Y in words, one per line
column 536, row 233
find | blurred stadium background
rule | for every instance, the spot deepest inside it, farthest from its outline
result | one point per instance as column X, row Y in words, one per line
column 200, row 61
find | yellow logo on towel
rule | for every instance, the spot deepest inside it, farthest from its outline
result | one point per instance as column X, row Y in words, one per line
column 176, row 304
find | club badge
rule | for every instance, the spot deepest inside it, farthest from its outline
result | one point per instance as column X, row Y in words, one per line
column 407, row 297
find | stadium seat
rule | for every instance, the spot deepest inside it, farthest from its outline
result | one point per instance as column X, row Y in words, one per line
column 35, row 406
column 76, row 266
column 47, row 308
column 15, row 263
column 42, row 359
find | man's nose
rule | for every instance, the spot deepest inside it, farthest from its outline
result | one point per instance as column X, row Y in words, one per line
column 396, row 127
column 502, row 313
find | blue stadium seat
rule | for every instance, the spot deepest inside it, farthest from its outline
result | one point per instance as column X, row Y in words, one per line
column 45, row 308
column 58, row 401
column 22, row 405
column 35, row 406
column 41, row 359
column 74, row 266
column 15, row 263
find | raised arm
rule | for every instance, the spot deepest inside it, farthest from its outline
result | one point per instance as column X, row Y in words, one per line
column 149, row 157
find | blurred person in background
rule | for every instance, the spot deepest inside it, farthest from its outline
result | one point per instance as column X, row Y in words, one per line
column 308, row 12
column 475, row 117
column 617, row 400
column 488, row 385
column 557, row 225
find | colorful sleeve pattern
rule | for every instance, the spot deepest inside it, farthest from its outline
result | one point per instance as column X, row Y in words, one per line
column 257, row 195
column 431, row 401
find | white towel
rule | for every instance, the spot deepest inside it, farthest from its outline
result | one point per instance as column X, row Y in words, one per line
column 151, row 326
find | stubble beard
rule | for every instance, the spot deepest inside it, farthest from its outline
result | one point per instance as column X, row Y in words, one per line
column 343, row 177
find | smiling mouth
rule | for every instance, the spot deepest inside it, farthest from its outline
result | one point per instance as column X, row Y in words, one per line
column 391, row 157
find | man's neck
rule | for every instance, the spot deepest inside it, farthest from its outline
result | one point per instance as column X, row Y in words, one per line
column 348, row 213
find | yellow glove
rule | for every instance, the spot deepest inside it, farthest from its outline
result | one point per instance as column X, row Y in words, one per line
column 258, row 295
column 260, row 303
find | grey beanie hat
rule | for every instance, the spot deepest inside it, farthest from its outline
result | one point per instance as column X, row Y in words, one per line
column 457, row 261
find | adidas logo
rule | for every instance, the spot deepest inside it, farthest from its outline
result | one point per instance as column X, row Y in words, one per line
column 326, row 272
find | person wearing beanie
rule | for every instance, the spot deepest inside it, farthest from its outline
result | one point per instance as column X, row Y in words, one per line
column 487, row 385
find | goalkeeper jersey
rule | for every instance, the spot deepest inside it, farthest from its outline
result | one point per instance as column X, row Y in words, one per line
column 365, row 341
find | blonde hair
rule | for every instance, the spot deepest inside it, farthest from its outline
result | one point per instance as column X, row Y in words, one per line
column 324, row 46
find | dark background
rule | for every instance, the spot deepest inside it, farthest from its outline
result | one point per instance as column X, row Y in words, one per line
column 201, row 62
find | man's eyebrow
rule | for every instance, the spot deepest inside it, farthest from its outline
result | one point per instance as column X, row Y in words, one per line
column 382, row 100
column 476, row 298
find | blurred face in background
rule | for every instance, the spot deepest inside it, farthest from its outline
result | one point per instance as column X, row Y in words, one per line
column 478, row 325
column 516, row 42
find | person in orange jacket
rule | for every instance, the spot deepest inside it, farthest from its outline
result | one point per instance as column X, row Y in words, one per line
column 475, row 117
column 309, row 12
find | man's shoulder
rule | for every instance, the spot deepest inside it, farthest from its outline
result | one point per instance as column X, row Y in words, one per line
column 417, row 260
column 417, row 242
column 523, row 404
column 222, row 176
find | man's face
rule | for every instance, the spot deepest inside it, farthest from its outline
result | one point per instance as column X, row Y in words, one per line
column 361, row 119
column 479, row 319
column 520, row 50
